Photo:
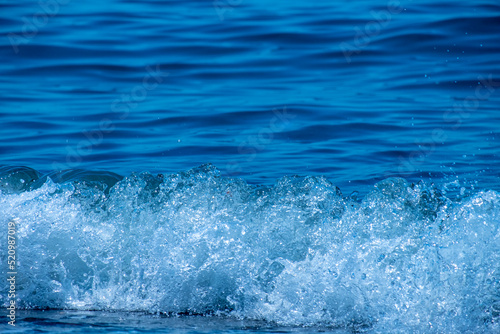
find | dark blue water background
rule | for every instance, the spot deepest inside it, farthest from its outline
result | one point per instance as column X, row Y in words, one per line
column 356, row 91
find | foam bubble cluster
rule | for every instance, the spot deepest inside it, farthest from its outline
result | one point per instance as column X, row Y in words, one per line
column 405, row 258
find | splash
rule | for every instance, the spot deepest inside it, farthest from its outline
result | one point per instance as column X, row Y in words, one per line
column 404, row 258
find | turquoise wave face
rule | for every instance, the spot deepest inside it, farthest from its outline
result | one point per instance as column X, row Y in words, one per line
column 409, row 257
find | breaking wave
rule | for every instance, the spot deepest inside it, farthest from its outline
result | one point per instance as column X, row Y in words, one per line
column 405, row 257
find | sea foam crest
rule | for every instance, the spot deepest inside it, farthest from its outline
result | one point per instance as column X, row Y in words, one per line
column 298, row 253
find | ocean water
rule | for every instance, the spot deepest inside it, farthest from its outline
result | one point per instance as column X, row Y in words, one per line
column 250, row 166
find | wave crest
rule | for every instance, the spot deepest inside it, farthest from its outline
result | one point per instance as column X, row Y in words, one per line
column 297, row 253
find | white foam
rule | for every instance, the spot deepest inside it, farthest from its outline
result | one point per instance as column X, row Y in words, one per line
column 406, row 258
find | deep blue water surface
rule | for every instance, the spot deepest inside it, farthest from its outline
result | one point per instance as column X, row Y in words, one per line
column 370, row 89
column 253, row 113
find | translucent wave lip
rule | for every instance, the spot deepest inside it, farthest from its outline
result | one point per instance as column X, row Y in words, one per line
column 299, row 253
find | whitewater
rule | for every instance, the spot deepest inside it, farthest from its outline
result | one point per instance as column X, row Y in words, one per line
column 403, row 257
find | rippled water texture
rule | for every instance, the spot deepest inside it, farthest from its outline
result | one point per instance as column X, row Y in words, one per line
column 357, row 91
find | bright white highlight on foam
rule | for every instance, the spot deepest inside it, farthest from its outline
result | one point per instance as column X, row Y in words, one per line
column 299, row 253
